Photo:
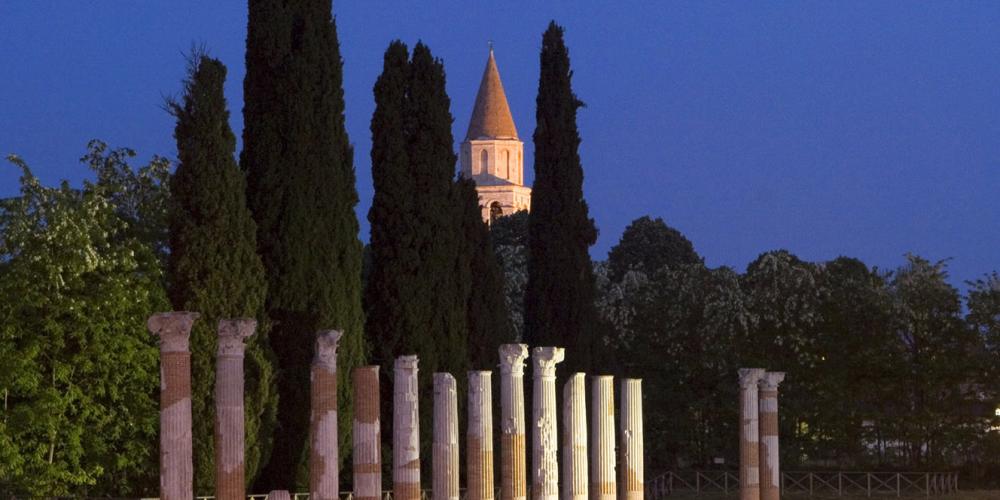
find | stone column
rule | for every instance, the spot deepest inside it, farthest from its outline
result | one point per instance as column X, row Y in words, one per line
column 631, row 445
column 574, row 439
column 279, row 495
column 770, row 478
column 324, row 452
column 602, row 454
column 405, row 430
column 445, row 447
column 229, row 410
column 176, row 463
column 367, row 435
column 513, row 480
column 749, row 437
column 480, row 436
column 544, row 439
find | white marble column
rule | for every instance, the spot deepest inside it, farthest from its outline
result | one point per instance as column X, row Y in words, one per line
column 176, row 463
column 513, row 453
column 749, row 434
column 544, row 438
column 480, row 436
column 324, row 463
column 602, row 454
column 230, row 433
column 770, row 478
column 405, row 430
column 367, row 435
column 444, row 468
column 631, row 449
column 574, row 439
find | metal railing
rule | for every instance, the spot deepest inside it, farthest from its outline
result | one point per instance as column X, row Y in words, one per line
column 827, row 484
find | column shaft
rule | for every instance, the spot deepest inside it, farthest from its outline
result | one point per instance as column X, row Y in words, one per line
column 230, row 434
column 367, row 436
column 631, row 445
column 574, row 442
column 770, row 478
column 602, row 454
column 544, row 438
column 749, row 434
column 445, row 446
column 405, row 430
column 324, row 452
column 513, row 478
column 480, row 436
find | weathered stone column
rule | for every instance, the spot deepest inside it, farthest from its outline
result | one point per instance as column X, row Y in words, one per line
column 405, row 430
column 513, row 479
column 445, row 447
column 631, row 446
column 602, row 454
column 176, row 463
column 367, row 435
column 544, row 437
column 480, row 436
column 230, row 434
column 324, row 452
column 279, row 495
column 749, row 437
column 574, row 439
column 770, row 478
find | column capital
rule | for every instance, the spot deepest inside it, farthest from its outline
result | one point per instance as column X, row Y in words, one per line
column 444, row 382
column 173, row 328
column 512, row 358
column 232, row 333
column 406, row 363
column 327, row 342
column 546, row 359
column 749, row 377
column 771, row 380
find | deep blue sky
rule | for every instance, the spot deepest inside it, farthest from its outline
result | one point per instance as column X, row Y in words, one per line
column 867, row 129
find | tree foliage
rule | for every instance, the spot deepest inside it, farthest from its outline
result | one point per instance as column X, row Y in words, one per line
column 648, row 245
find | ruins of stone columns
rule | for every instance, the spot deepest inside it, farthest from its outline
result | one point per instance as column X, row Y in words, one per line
column 230, row 434
column 513, row 481
column 574, row 439
column 770, row 477
column 324, row 453
column 279, row 495
column 631, row 445
column 749, row 437
column 602, row 454
column 405, row 430
column 367, row 436
column 544, row 439
column 445, row 446
column 176, row 463
column 480, row 436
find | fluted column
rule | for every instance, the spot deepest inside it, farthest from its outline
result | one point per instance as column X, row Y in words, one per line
column 544, row 439
column 324, row 460
column 480, row 436
column 405, row 430
column 770, row 478
column 574, row 442
column 229, row 411
column 602, row 454
column 749, row 434
column 513, row 479
column 176, row 466
column 367, row 434
column 631, row 445
column 445, row 447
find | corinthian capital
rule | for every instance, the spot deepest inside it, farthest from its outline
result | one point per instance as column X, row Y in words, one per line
column 770, row 381
column 749, row 377
column 512, row 358
column 546, row 359
column 173, row 328
column 232, row 333
column 327, row 342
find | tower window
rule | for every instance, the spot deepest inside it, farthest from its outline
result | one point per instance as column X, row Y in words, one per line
column 506, row 157
column 495, row 211
column 484, row 163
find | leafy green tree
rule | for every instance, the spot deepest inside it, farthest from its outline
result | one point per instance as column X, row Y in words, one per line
column 647, row 245
column 509, row 238
column 80, row 273
column 301, row 190
column 213, row 265
column 559, row 296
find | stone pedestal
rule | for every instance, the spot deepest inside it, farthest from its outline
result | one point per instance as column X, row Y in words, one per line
column 513, row 478
column 176, row 463
column 444, row 468
column 367, row 435
column 574, row 439
column 230, row 434
column 631, row 445
column 749, row 434
column 770, row 478
column 405, row 430
column 480, row 436
column 544, row 439
column 602, row 454
column 324, row 459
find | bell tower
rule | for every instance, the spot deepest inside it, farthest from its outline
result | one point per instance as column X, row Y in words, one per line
column 491, row 154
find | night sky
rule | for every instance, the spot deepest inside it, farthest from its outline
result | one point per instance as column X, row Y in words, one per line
column 866, row 129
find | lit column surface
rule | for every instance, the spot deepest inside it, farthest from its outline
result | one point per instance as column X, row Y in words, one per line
column 574, row 439
column 480, row 436
column 749, row 437
column 405, row 430
column 770, row 478
column 631, row 445
column 229, row 411
column 544, row 439
column 324, row 474
column 445, row 446
column 367, row 435
column 513, row 478
column 602, row 455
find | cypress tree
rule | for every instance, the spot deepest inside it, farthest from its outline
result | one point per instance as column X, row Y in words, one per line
column 301, row 190
column 213, row 266
column 559, row 297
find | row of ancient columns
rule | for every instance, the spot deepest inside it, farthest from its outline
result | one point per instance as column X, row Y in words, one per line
column 760, row 472
column 601, row 483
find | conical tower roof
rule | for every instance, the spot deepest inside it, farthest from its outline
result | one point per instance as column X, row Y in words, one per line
column 491, row 117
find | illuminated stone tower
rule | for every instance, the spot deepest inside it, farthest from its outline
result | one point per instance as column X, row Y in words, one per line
column 492, row 155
